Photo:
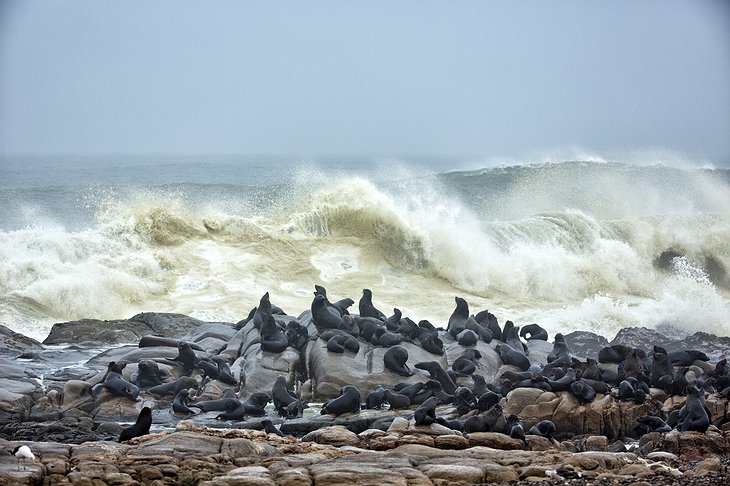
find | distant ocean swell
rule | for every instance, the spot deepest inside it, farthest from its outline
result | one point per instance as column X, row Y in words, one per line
column 570, row 247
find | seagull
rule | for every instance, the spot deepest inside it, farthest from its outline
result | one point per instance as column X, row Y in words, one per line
column 22, row 453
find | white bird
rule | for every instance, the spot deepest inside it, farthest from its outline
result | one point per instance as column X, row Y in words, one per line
column 22, row 453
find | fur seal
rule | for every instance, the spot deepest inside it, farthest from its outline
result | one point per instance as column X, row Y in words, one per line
column 545, row 428
column 438, row 373
column 560, row 354
column 173, row 387
column 457, row 320
column 216, row 405
column 118, row 386
column 533, row 331
column 487, row 400
column 234, row 410
column 367, row 326
column 348, row 401
column 661, row 367
column 269, row 428
column 616, row 353
column 180, row 403
column 467, row 337
column 687, row 358
column 273, row 339
column 693, row 414
column 264, row 308
column 512, row 357
column 465, row 364
column 393, row 322
column 376, row 398
column 395, row 360
column 384, row 338
column 464, row 400
column 489, row 320
column 396, row 400
column 563, row 383
column 516, row 429
column 186, row 356
column 408, row 329
column 651, row 423
column 432, row 343
column 148, row 374
column 366, row 307
column 256, row 404
column 296, row 335
column 453, row 424
column 208, row 367
column 340, row 342
column 324, row 317
column 285, row 402
column 141, row 426
column 582, row 391
column 225, row 374
column 425, row 414
column 511, row 337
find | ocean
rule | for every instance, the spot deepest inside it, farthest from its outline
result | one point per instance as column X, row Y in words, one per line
column 573, row 245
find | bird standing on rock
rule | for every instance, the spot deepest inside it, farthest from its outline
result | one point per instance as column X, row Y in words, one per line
column 22, row 453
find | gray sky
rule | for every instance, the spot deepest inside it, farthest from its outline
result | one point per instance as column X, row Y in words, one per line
column 393, row 78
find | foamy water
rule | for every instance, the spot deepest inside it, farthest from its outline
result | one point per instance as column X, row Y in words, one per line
column 588, row 245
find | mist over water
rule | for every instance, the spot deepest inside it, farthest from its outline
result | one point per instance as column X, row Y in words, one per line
column 572, row 245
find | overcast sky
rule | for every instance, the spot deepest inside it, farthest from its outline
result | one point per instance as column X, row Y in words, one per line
column 392, row 78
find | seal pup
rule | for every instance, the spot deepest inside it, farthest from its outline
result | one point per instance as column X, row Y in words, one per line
column 395, row 360
column 256, row 404
column 487, row 400
column 393, row 322
column 439, row 374
column 385, row 338
column 616, row 353
column 454, row 424
column 225, row 374
column 464, row 400
column 141, row 426
column 516, row 429
column 545, row 428
column 376, row 398
column 269, row 428
column 216, row 405
column 425, row 414
column 661, row 367
column 367, row 326
column 366, row 307
column 432, row 343
column 348, row 401
column 686, row 358
column 23, row 452
column 466, row 364
column 148, row 374
column 533, row 331
column 209, row 369
column 397, row 401
column 173, row 387
column 467, row 337
column 180, row 403
column 651, row 423
column 582, row 391
column 233, row 410
column 480, row 384
column 296, row 335
column 457, row 320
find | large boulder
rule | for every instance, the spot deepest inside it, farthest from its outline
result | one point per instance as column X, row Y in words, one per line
column 105, row 333
column 13, row 343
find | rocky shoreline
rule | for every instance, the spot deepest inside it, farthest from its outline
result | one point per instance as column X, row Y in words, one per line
column 50, row 400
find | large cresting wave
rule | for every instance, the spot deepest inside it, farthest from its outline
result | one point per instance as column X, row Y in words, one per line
column 569, row 246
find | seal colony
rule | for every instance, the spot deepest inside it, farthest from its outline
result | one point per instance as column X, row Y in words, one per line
column 472, row 376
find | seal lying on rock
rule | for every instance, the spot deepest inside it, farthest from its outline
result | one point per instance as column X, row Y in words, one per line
column 141, row 426
column 256, row 404
column 173, row 387
column 117, row 385
column 376, row 398
column 216, row 405
column 395, row 359
column 348, row 401
column 533, row 331
column 397, row 401
column 544, row 428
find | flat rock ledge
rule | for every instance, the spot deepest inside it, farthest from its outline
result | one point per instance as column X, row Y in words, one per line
column 405, row 454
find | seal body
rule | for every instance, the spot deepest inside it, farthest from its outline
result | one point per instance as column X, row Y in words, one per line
column 348, row 401
column 141, row 426
column 395, row 359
